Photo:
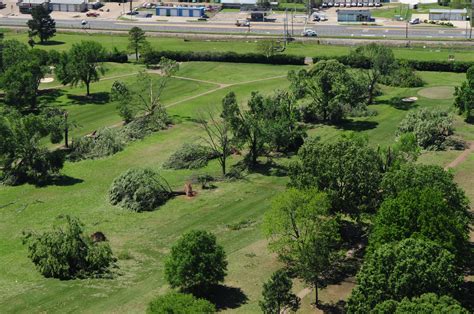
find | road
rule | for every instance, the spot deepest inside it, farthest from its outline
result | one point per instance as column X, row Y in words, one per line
column 323, row 30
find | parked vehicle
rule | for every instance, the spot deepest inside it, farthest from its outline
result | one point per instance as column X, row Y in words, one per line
column 92, row 14
column 132, row 13
column 242, row 23
column 337, row 4
column 415, row 21
column 360, row 4
column 309, row 33
column 378, row 4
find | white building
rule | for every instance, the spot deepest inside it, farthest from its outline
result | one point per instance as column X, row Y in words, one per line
column 68, row 5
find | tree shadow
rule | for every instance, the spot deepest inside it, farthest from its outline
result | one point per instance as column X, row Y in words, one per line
column 99, row 98
column 466, row 295
column 51, row 43
column 225, row 297
column 48, row 96
column 333, row 308
column 62, row 180
column 398, row 103
column 270, row 168
column 358, row 126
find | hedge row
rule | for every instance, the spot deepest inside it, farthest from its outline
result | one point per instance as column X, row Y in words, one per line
column 442, row 66
column 153, row 57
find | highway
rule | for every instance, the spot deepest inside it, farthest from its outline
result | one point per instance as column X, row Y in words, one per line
column 323, row 30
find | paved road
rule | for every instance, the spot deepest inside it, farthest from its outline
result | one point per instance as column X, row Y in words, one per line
column 325, row 30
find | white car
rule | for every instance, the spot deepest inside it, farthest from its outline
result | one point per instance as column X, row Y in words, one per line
column 309, row 33
column 415, row 21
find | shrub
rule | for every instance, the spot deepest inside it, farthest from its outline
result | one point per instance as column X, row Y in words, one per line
column 190, row 156
column 430, row 127
column 139, row 189
column 180, row 303
column 196, row 262
column 116, row 56
column 403, row 76
column 426, row 303
column 65, row 253
column 145, row 125
column 104, row 142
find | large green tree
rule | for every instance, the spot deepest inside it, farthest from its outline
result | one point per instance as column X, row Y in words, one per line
column 196, row 263
column 277, row 294
column 328, row 90
column 464, row 95
column 347, row 169
column 137, row 40
column 83, row 63
column 404, row 269
column 427, row 303
column 41, row 24
column 304, row 235
column 22, row 156
column 422, row 213
column 381, row 62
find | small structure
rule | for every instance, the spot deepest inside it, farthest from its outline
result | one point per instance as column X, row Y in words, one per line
column 354, row 16
column 238, row 3
column 180, row 11
column 448, row 14
column 26, row 6
column 68, row 5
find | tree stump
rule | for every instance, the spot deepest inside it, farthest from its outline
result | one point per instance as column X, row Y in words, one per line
column 188, row 189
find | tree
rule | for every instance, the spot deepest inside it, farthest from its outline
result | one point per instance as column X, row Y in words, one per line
column 179, row 303
column 426, row 214
column 66, row 253
column 267, row 47
column 139, row 189
column 405, row 150
column 381, row 62
column 425, row 304
column 144, row 97
column 303, row 234
column 464, row 95
column 218, row 138
column 137, row 40
column 21, row 154
column 330, row 90
column 277, row 294
column 23, row 70
column 81, row 64
column 196, row 263
column 430, row 127
column 347, row 169
column 417, row 176
column 405, row 269
column 41, row 24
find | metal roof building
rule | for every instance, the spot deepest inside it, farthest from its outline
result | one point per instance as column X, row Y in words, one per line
column 354, row 16
column 448, row 14
column 68, row 5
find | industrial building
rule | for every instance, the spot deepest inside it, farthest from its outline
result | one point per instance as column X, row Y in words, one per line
column 448, row 14
column 238, row 3
column 354, row 16
column 180, row 11
column 68, row 5
column 26, row 5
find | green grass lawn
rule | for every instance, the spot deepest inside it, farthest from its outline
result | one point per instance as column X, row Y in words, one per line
column 63, row 41
column 143, row 240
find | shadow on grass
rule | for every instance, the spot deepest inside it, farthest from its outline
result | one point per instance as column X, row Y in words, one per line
column 398, row 103
column 466, row 296
column 225, row 297
column 358, row 126
column 100, row 98
column 48, row 96
column 60, row 180
column 51, row 43
column 270, row 168
column 333, row 308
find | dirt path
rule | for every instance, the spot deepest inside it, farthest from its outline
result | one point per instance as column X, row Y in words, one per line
column 462, row 157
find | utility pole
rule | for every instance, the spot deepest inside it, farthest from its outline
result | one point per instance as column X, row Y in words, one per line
column 406, row 29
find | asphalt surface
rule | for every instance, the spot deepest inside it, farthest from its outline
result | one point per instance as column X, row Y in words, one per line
column 323, row 30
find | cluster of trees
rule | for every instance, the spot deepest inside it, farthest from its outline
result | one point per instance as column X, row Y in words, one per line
column 419, row 235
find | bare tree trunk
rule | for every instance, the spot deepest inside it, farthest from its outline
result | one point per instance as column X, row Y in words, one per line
column 316, row 295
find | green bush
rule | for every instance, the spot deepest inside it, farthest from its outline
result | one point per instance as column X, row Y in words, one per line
column 431, row 127
column 180, row 303
column 190, row 156
column 66, row 253
column 139, row 189
column 104, row 142
column 403, row 76
column 426, row 303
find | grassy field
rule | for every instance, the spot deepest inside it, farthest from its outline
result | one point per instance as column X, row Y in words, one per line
column 142, row 241
column 63, row 41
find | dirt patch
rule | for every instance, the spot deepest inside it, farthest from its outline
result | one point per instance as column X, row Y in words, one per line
column 439, row 92
column 461, row 157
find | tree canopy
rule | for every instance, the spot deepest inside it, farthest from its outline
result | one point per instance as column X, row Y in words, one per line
column 83, row 63
column 277, row 294
column 427, row 303
column 41, row 24
column 347, row 169
column 464, row 95
column 196, row 263
column 180, row 303
column 137, row 40
column 407, row 268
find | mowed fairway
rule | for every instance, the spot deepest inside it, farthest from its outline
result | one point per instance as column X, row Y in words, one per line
column 141, row 241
